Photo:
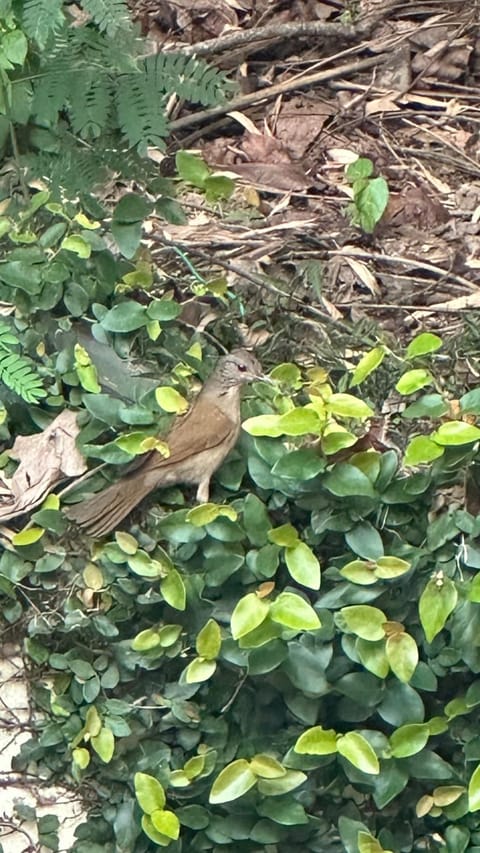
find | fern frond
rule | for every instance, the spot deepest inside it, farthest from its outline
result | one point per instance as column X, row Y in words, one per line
column 90, row 104
column 41, row 19
column 109, row 15
column 73, row 169
column 140, row 111
column 15, row 371
column 188, row 77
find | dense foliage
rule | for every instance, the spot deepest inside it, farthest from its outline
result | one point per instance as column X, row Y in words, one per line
column 195, row 677
column 291, row 667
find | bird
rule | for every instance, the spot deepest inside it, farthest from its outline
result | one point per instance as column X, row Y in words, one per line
column 198, row 443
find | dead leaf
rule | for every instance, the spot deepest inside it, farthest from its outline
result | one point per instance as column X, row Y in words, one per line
column 45, row 460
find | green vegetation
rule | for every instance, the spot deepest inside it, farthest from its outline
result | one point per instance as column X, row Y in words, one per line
column 293, row 666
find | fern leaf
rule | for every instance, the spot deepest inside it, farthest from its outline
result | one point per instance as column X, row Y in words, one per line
column 188, row 77
column 91, row 101
column 109, row 15
column 141, row 113
column 41, row 18
column 17, row 374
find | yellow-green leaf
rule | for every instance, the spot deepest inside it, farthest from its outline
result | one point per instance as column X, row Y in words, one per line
column 357, row 750
column 104, row 744
column 170, row 400
column 28, row 536
column 234, row 781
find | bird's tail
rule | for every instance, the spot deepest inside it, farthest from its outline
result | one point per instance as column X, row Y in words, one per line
column 101, row 513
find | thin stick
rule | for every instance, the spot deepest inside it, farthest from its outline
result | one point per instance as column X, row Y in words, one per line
column 300, row 82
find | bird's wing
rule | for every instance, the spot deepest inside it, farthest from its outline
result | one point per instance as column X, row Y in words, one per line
column 204, row 427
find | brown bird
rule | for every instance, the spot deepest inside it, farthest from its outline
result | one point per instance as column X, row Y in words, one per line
column 198, row 442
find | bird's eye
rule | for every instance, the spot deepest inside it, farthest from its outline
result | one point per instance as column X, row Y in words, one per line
column 242, row 367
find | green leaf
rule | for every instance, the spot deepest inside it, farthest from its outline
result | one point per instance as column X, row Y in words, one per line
column 470, row 402
column 402, row 655
column 249, row 613
column 437, row 602
column 267, row 767
column 294, row 612
column 413, row 380
column 303, row 565
column 233, row 782
column 360, row 571
column 347, row 406
column 474, row 791
column 173, row 590
column 104, row 744
column 368, row 844
column 283, row 785
column 423, row 344
column 370, row 202
column 299, row 465
column 191, row 168
column 131, row 208
column 372, row 656
column 81, row 757
column 391, row 567
column 454, row 433
column 364, row 621
column 166, row 822
column 28, row 536
column 367, row 364
column 204, row 514
column 345, row 480
column 421, row 450
column 77, row 245
column 199, row 670
column 286, row 536
column 409, row 739
column 218, row 187
column 362, row 167
column 209, row 640
column 301, row 421
column 145, row 640
column 317, row 741
column 15, row 46
column 267, row 425
column 170, row 400
column 429, row 405
column 163, row 310
column 358, row 751
column 154, row 835
column 149, row 793
column 365, row 541
column 125, row 317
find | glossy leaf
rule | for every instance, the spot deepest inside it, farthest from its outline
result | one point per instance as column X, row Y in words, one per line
column 367, row 364
column 409, row 739
column 149, row 793
column 209, row 640
column 317, row 741
column 413, row 380
column 233, row 782
column 436, row 603
column 455, row 433
column 402, row 655
column 248, row 614
column 364, row 621
column 358, row 751
column 294, row 612
column 303, row 565
column 422, row 344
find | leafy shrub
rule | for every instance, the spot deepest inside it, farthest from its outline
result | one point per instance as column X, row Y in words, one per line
column 290, row 667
